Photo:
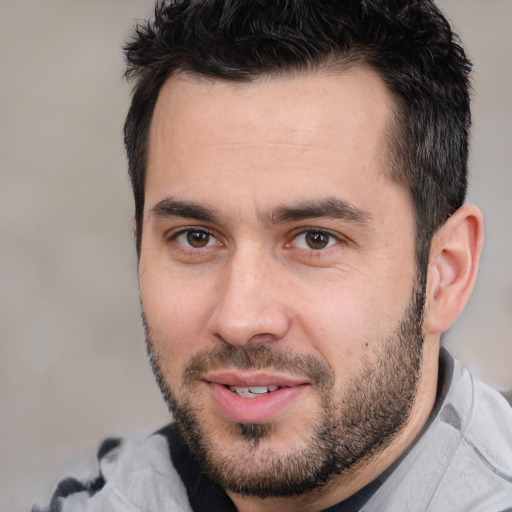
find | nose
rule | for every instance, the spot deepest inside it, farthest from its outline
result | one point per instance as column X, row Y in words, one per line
column 251, row 306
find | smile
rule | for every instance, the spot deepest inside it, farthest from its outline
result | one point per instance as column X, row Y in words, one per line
column 253, row 391
column 253, row 398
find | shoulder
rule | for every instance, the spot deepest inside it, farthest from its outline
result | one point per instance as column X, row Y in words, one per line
column 130, row 476
column 478, row 420
column 463, row 458
column 481, row 466
column 488, row 433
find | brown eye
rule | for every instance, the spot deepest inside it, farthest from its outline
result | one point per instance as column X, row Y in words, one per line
column 198, row 239
column 195, row 239
column 317, row 240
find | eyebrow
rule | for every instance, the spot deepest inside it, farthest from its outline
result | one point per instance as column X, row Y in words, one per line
column 170, row 207
column 330, row 208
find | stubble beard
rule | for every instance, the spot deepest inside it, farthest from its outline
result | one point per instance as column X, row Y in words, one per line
column 354, row 423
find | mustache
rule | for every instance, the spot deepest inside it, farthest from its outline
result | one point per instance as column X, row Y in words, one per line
column 257, row 357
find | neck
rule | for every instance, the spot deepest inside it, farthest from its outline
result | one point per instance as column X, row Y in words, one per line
column 365, row 471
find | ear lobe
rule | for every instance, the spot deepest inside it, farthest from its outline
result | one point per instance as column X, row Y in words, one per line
column 454, row 260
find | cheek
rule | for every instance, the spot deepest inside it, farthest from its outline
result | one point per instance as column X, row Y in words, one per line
column 336, row 321
column 353, row 320
column 176, row 313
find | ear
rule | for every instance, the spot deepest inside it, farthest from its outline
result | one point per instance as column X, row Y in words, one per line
column 453, row 267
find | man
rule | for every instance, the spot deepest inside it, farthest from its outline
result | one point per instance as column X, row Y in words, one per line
column 299, row 173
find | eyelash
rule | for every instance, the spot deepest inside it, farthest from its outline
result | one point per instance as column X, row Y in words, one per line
column 191, row 231
column 331, row 239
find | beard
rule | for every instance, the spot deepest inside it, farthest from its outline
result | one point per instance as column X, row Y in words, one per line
column 353, row 422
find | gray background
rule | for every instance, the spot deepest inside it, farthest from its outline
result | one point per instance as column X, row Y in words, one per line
column 72, row 360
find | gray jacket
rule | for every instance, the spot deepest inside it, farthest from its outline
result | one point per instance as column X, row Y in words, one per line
column 461, row 463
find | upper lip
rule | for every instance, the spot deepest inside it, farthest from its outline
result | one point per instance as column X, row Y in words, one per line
column 240, row 378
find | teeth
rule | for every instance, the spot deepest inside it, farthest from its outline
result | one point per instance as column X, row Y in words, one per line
column 258, row 389
column 253, row 391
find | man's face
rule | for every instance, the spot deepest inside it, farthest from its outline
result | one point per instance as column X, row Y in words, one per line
column 278, row 278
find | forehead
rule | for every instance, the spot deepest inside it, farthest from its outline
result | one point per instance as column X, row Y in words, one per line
column 289, row 135
column 307, row 105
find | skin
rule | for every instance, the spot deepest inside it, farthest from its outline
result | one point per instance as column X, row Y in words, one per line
column 282, row 143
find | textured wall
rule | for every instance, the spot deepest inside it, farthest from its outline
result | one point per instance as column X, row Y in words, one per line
column 72, row 362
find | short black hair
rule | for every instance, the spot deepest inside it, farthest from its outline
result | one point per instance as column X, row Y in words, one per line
column 408, row 42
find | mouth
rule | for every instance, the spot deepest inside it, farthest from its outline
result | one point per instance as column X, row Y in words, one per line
column 253, row 398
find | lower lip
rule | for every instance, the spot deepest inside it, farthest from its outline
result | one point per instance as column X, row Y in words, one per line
column 259, row 409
